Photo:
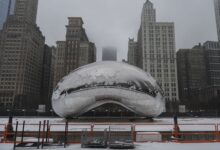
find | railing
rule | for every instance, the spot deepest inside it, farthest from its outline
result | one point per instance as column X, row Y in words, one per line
column 192, row 137
column 141, row 132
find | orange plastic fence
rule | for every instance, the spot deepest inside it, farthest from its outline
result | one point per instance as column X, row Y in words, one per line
column 215, row 134
column 164, row 134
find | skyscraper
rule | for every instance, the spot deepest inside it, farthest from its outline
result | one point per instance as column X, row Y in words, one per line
column 77, row 45
column 213, row 62
column 217, row 15
column 6, row 9
column 198, row 76
column 47, row 76
column 26, row 10
column 132, row 52
column 192, row 74
column 76, row 51
column 156, row 51
column 22, row 49
column 59, row 62
column 109, row 54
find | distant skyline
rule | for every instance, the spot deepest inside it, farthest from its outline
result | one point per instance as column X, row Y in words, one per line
column 112, row 22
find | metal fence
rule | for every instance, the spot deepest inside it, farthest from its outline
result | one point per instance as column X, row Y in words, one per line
column 67, row 133
column 94, row 139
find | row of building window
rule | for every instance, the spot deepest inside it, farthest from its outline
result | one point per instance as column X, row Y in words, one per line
column 168, row 94
column 162, row 75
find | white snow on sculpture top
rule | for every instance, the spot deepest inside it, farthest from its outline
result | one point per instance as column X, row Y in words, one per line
column 108, row 73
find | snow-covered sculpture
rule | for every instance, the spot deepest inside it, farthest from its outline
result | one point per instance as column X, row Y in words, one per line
column 100, row 83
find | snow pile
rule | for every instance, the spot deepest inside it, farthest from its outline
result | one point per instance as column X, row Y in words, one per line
column 159, row 124
column 141, row 146
column 108, row 73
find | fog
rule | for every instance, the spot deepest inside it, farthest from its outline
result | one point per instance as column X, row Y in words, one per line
column 112, row 22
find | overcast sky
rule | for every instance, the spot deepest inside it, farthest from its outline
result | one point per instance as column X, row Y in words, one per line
column 112, row 22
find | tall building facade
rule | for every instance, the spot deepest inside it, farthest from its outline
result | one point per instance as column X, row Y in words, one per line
column 53, row 65
column 217, row 15
column 198, row 76
column 213, row 66
column 192, row 73
column 109, row 54
column 22, row 49
column 213, row 62
column 26, row 10
column 47, row 76
column 6, row 9
column 87, row 53
column 156, row 51
column 59, row 62
column 78, row 48
column 75, row 51
column 132, row 52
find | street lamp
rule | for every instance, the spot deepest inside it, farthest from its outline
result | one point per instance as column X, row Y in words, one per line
column 187, row 100
column 93, row 112
column 120, row 111
column 8, row 110
column 37, row 110
column 51, row 110
column 24, row 110
column 107, row 112
column 134, row 111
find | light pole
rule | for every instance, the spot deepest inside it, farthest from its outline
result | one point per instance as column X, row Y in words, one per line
column 93, row 111
column 8, row 110
column 187, row 98
column 37, row 112
column 51, row 110
column 107, row 112
column 24, row 110
column 120, row 111
column 134, row 111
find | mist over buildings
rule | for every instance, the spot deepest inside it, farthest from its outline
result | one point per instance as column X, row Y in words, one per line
column 119, row 19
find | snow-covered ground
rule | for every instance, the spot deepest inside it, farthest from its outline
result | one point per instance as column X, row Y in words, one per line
column 159, row 124
column 142, row 146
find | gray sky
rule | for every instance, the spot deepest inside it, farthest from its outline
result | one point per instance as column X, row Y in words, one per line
column 112, row 22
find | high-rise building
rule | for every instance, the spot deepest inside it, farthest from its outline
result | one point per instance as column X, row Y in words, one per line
column 132, row 52
column 213, row 66
column 26, row 10
column 76, row 51
column 87, row 53
column 77, row 45
column 47, row 76
column 192, row 75
column 53, row 65
column 217, row 15
column 198, row 76
column 156, row 51
column 212, row 49
column 59, row 62
column 22, row 49
column 6, row 9
column 109, row 54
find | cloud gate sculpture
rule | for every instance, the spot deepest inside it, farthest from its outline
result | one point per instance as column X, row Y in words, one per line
column 101, row 83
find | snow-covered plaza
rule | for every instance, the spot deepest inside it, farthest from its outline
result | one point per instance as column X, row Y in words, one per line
column 141, row 146
column 158, row 125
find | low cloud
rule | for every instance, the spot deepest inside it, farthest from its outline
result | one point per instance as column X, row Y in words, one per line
column 112, row 22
